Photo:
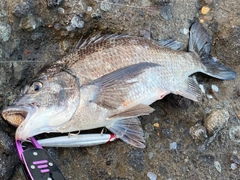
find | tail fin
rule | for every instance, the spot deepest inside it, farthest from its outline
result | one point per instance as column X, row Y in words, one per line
column 218, row 70
column 200, row 42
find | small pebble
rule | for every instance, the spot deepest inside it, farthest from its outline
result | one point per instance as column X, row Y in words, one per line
column 217, row 166
column 152, row 176
column 146, row 135
column 166, row 133
column 77, row 22
column 61, row 10
column 57, row 26
column 235, row 159
column 202, row 88
column 53, row 3
column 23, row 9
column 219, row 106
column 205, row 10
column 30, row 22
column 89, row 8
column 156, row 118
column 3, row 13
column 201, row 20
column 70, row 28
column 184, row 31
column 234, row 133
column 158, row 145
column 105, row 6
column 166, row 12
column 214, row 59
column 214, row 88
column 173, row 145
column 233, row 166
column 209, row 96
column 156, row 125
column 5, row 31
column 150, row 155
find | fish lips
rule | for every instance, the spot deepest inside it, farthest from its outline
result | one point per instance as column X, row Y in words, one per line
column 28, row 125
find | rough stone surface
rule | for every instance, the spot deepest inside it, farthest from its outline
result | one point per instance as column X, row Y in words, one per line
column 5, row 31
column 23, row 51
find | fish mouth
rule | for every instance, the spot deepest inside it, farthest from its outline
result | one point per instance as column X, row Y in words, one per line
column 15, row 115
column 33, row 119
column 18, row 116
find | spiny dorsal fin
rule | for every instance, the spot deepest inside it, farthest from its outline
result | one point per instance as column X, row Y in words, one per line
column 139, row 110
column 113, row 88
column 129, row 131
column 98, row 38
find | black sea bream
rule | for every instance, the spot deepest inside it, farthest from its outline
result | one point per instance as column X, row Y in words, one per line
column 108, row 82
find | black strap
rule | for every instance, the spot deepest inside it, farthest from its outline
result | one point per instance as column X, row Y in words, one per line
column 40, row 165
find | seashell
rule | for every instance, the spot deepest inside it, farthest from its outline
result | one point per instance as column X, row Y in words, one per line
column 198, row 131
column 216, row 120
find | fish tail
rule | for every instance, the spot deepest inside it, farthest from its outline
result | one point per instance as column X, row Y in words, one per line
column 200, row 42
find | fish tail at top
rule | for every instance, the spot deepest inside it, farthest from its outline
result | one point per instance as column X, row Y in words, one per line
column 200, row 42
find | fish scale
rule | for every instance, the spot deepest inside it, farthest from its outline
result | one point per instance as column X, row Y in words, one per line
column 129, row 52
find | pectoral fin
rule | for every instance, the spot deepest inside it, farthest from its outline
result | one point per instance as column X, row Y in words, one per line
column 129, row 131
column 113, row 88
column 138, row 110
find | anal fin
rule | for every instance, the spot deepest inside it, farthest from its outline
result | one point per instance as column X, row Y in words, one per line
column 190, row 90
column 129, row 131
column 139, row 110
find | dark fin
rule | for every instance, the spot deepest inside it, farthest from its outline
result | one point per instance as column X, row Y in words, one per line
column 138, row 110
column 113, row 87
column 190, row 90
column 199, row 41
column 172, row 44
column 218, row 70
column 129, row 131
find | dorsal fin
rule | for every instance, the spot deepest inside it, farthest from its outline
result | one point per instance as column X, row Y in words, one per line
column 98, row 38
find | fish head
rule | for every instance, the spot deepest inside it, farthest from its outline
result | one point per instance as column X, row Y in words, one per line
column 42, row 106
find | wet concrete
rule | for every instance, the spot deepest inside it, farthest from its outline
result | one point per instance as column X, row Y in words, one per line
column 37, row 32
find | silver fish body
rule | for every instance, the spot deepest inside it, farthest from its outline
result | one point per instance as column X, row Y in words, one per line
column 109, row 82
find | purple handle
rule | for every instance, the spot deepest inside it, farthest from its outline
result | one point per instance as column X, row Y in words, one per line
column 35, row 143
column 20, row 149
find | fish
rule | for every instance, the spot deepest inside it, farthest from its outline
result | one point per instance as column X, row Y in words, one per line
column 109, row 81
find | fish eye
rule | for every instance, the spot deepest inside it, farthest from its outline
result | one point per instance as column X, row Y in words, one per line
column 36, row 86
